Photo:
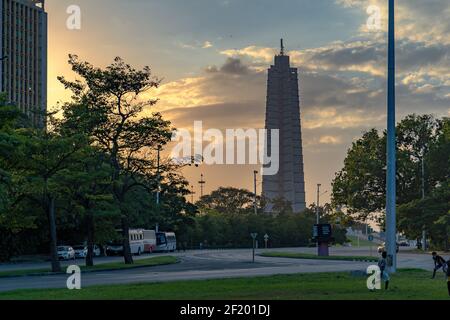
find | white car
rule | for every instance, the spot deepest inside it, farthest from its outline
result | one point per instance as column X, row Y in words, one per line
column 66, row 253
column 81, row 251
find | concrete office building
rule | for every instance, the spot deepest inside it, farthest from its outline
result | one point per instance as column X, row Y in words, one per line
column 283, row 113
column 23, row 50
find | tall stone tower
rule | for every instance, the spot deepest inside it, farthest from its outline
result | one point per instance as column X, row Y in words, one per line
column 283, row 113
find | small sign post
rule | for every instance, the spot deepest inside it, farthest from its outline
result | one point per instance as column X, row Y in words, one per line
column 254, row 235
column 370, row 238
column 322, row 234
column 266, row 239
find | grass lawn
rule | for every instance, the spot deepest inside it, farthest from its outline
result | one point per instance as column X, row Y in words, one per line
column 405, row 285
column 315, row 257
column 156, row 261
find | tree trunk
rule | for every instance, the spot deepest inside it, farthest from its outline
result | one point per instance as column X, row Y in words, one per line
column 56, row 266
column 127, row 256
column 90, row 240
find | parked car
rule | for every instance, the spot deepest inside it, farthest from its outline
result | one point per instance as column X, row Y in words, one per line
column 114, row 248
column 81, row 251
column 382, row 247
column 404, row 244
column 66, row 253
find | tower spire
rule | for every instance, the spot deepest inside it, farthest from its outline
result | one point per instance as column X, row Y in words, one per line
column 282, row 47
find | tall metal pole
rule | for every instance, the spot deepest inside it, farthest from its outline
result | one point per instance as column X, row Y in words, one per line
column 318, row 204
column 391, row 229
column 424, row 231
column 254, row 240
column 158, row 177
column 202, row 183
column 255, row 204
column 192, row 194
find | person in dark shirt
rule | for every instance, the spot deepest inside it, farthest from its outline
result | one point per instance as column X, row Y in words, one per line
column 439, row 263
column 382, row 264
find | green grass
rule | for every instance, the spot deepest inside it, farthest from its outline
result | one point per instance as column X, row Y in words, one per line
column 18, row 273
column 405, row 285
column 156, row 261
column 315, row 257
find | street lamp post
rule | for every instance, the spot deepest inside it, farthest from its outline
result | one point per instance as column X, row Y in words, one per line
column 192, row 194
column 254, row 235
column 391, row 230
column 158, row 174
column 254, row 184
column 318, row 204
column 424, row 231
column 202, row 183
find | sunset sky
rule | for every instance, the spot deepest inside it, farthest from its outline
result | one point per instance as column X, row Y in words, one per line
column 213, row 56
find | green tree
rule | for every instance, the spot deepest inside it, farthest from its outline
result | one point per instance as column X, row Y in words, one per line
column 44, row 156
column 14, row 218
column 229, row 200
column 433, row 212
column 107, row 105
column 86, row 188
column 360, row 185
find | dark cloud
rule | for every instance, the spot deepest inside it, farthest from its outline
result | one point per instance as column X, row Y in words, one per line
column 231, row 66
column 410, row 55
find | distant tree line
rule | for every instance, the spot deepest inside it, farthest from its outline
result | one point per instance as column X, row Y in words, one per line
column 227, row 218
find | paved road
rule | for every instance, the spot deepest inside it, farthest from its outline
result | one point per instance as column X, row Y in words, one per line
column 216, row 264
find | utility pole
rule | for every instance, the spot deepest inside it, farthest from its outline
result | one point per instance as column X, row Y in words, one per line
column 202, row 183
column 255, row 204
column 391, row 192
column 424, row 231
column 318, row 203
column 158, row 176
column 192, row 194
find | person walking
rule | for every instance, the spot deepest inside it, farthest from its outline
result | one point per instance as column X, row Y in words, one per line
column 382, row 264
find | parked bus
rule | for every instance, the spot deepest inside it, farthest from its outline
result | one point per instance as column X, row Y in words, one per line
column 149, row 241
column 141, row 241
column 137, row 241
column 166, row 242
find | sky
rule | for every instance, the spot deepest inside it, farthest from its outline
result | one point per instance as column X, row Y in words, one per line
column 213, row 56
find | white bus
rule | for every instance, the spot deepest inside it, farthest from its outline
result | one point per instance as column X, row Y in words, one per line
column 137, row 241
column 149, row 241
column 166, row 242
column 141, row 241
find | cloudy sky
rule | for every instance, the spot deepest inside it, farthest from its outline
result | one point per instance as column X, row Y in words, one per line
column 213, row 57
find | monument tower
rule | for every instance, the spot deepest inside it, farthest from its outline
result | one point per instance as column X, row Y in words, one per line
column 283, row 113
